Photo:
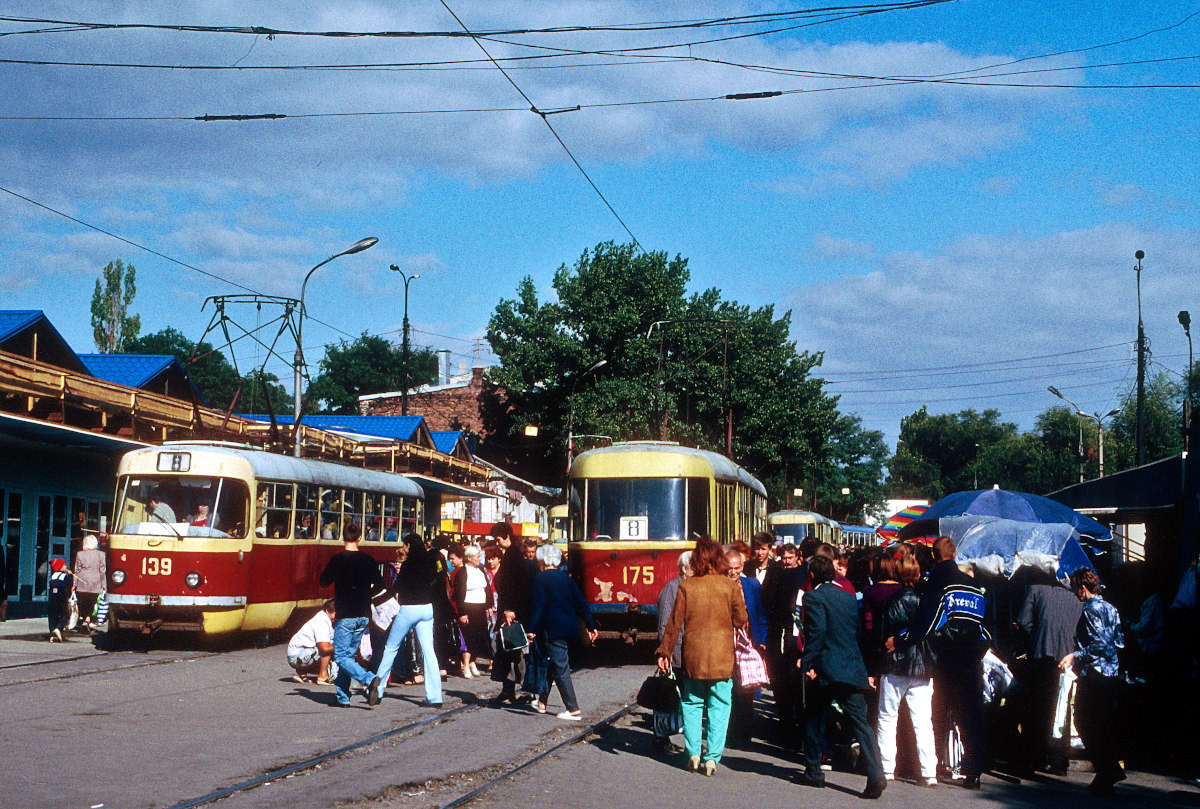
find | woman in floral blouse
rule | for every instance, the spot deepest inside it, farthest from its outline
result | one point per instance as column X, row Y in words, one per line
column 1098, row 638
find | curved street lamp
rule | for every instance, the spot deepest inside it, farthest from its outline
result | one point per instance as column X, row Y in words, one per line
column 404, row 355
column 297, row 414
column 1096, row 417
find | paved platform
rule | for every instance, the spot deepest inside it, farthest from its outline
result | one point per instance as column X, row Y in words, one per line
column 26, row 642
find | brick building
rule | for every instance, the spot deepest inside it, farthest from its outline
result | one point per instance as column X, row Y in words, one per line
column 453, row 405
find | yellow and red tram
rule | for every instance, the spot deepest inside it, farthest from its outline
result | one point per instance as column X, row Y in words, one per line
column 214, row 537
column 635, row 506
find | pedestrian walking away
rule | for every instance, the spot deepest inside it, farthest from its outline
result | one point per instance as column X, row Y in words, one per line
column 355, row 577
column 417, row 584
column 558, row 607
column 708, row 608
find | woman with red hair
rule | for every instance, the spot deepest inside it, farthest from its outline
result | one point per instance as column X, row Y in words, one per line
column 708, row 608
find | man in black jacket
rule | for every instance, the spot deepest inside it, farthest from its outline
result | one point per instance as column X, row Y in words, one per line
column 779, row 591
column 832, row 661
column 355, row 577
column 513, row 585
column 950, row 617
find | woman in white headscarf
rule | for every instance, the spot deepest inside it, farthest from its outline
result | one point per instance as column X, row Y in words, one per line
column 91, row 573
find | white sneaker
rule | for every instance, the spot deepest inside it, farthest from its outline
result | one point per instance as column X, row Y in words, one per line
column 570, row 717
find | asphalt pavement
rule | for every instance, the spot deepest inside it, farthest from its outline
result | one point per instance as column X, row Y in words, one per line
column 179, row 719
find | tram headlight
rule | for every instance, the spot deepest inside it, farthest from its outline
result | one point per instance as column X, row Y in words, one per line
column 118, row 576
column 193, row 580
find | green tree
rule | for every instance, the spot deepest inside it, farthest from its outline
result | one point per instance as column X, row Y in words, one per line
column 1163, row 425
column 369, row 364
column 112, row 326
column 673, row 365
column 209, row 370
column 937, row 455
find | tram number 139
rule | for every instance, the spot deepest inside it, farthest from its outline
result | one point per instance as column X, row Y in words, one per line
column 156, row 566
column 640, row 574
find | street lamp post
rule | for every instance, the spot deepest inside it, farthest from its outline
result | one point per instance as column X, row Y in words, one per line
column 1141, row 368
column 298, row 406
column 1185, row 320
column 404, row 342
column 1096, row 417
column 571, row 416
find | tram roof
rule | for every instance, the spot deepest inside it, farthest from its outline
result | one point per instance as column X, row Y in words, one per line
column 273, row 466
column 663, row 459
column 798, row 517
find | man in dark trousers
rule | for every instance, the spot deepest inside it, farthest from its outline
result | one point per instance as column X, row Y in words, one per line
column 779, row 591
column 514, row 592
column 950, row 618
column 355, row 577
column 1049, row 616
column 831, row 660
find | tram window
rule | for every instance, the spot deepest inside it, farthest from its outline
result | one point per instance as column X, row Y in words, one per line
column 391, row 518
column 273, row 510
column 410, row 515
column 171, row 505
column 697, row 498
column 307, row 498
column 612, row 502
column 352, row 510
column 372, row 512
column 331, row 513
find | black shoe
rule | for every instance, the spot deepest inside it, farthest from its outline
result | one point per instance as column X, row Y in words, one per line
column 971, row 782
column 501, row 699
column 874, row 789
column 375, row 691
column 667, row 746
column 806, row 780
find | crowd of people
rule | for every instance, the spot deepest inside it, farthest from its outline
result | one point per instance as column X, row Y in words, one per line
column 853, row 640
column 446, row 611
column 880, row 660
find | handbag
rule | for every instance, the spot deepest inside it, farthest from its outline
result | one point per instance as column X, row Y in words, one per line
column 73, row 618
column 749, row 672
column 659, row 692
column 513, row 638
column 101, row 610
column 537, row 671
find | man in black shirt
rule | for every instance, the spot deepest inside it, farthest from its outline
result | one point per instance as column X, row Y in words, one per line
column 355, row 577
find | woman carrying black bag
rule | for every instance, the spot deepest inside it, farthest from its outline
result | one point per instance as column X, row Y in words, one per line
column 558, row 606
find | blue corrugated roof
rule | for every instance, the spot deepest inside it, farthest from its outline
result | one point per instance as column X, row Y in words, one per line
column 446, row 440
column 394, row 427
column 131, row 370
column 14, row 320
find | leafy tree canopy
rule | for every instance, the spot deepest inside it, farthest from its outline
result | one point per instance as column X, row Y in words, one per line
column 369, row 364
column 673, row 365
column 112, row 326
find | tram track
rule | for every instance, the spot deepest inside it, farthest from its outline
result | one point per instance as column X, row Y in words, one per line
column 315, row 762
column 76, row 674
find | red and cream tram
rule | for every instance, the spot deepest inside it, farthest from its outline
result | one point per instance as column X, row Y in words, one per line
column 216, row 537
column 635, row 506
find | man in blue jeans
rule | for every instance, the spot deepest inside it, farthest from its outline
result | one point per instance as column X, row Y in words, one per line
column 355, row 577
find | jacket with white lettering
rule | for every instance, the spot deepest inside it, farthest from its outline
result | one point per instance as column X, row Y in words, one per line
column 951, row 614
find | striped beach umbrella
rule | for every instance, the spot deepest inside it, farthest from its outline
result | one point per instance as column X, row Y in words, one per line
column 888, row 531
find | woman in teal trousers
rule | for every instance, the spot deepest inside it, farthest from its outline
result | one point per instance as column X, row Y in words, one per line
column 708, row 608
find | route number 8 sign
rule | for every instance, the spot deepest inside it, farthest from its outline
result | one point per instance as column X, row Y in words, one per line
column 634, row 528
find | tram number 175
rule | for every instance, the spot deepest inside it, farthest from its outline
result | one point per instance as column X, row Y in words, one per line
column 639, row 574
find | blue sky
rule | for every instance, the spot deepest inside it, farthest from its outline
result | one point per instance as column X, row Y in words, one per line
column 944, row 244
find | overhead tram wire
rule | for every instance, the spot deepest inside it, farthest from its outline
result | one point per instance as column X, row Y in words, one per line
column 991, row 363
column 75, row 26
column 154, row 252
column 543, row 114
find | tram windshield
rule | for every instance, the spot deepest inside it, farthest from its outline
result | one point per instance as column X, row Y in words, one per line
column 636, row 509
column 174, row 505
column 793, row 534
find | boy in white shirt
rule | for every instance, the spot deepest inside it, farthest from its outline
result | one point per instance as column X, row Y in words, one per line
column 311, row 649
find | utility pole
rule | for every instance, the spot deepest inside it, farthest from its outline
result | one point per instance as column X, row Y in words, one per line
column 1141, row 368
column 404, row 377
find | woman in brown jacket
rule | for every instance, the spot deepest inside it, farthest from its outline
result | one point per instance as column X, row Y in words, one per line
column 708, row 608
